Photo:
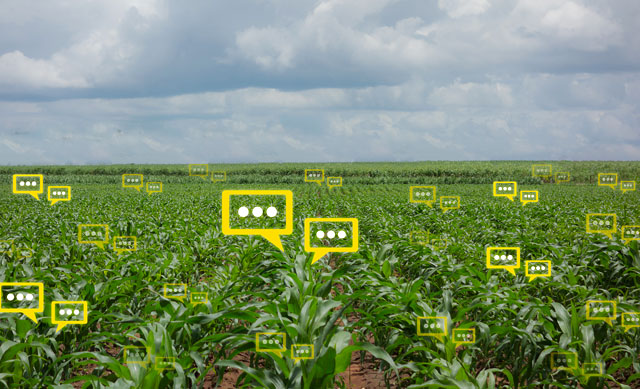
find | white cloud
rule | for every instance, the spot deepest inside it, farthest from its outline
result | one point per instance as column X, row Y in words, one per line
column 459, row 8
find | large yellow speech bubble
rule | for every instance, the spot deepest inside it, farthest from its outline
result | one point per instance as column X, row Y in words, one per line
column 334, row 182
column 627, row 186
column 314, row 175
column 302, row 351
column 538, row 268
column 58, row 193
column 630, row 233
column 19, row 297
column 271, row 342
column 604, row 310
column 199, row 297
column 435, row 326
column 508, row 189
column 199, row 170
column 165, row 363
column 64, row 313
column 334, row 241
column 137, row 355
column 97, row 234
column 541, row 170
column 154, row 187
column 602, row 223
column 564, row 361
column 123, row 244
column 31, row 184
column 562, row 177
column 630, row 320
column 528, row 196
column 449, row 202
column 608, row 179
column 439, row 243
column 590, row 369
column 175, row 291
column 135, row 181
column 219, row 176
column 422, row 194
column 507, row 258
column 464, row 336
column 419, row 237
column 270, row 234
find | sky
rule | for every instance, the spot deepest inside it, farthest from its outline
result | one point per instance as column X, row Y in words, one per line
column 213, row 81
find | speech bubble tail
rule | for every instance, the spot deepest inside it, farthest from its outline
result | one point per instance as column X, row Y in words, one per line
column 278, row 353
column 429, row 203
column 610, row 322
column 626, row 328
column 512, row 271
column 32, row 316
column 610, row 236
column 60, row 326
column 35, row 196
column 53, row 202
column 101, row 245
column 318, row 254
column 444, row 210
column 439, row 337
column 275, row 240
column 295, row 360
column 531, row 278
column 136, row 188
column 525, row 203
column 510, row 197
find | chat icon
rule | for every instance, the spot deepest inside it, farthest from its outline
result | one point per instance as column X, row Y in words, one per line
column 165, row 363
column 422, row 194
column 543, row 171
column 630, row 233
column 464, row 336
column 564, row 361
column 97, row 234
column 627, row 186
column 271, row 342
column 593, row 369
column 314, row 175
column 508, row 189
column 175, row 291
column 608, row 179
column 535, row 269
column 154, row 187
column 302, row 351
column 199, row 170
column 22, row 297
column 439, row 243
column 334, row 182
column 604, row 310
column 6, row 247
column 58, row 193
column 268, row 213
column 630, row 320
column 602, row 223
column 507, row 258
column 24, row 252
column 218, row 176
column 199, row 297
column 435, row 326
column 64, row 313
column 135, row 181
column 419, row 237
column 528, row 196
column 31, row 184
column 137, row 355
column 123, row 244
column 562, row 177
column 449, row 202
column 325, row 235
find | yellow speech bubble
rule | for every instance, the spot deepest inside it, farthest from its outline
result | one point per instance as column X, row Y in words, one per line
column 543, row 171
column 334, row 182
column 564, row 361
column 602, row 223
column 64, row 313
column 449, row 202
column 302, row 351
column 419, row 237
column 604, row 310
column 24, row 252
column 528, row 196
column 608, row 179
column 435, row 326
column 165, row 363
column 592, row 369
column 199, row 297
column 630, row 233
column 255, row 222
column 137, row 355
column 22, row 297
column 175, row 291
column 199, row 170
column 422, row 194
column 464, row 336
column 627, row 186
column 508, row 189
column 562, row 177
column 538, row 268
column 326, row 235
column 154, row 187
column 439, row 243
column 97, row 234
column 218, row 176
column 31, row 184
column 630, row 320
column 58, row 193
column 135, row 181
column 122, row 244
column 507, row 258
column 271, row 342
column 6, row 247
column 314, row 175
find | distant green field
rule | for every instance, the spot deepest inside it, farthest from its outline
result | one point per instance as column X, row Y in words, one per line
column 366, row 302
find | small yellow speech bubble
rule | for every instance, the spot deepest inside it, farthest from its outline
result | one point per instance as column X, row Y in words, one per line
column 508, row 189
column 543, row 171
column 165, row 363
column 604, row 310
column 314, row 175
column 31, row 184
column 419, row 237
column 326, row 235
column 562, row 177
column 564, row 361
column 535, row 269
column 334, row 182
column 6, row 247
column 122, row 244
column 175, row 291
column 137, row 355
column 592, row 369
column 135, row 181
column 154, row 187
column 630, row 320
column 422, row 194
column 199, row 297
column 627, row 186
column 507, row 258
column 630, row 233
column 58, row 193
column 302, row 351
column 608, row 179
column 602, row 223
column 439, row 243
column 435, row 326
column 449, row 202
column 218, row 176
column 24, row 252
column 528, row 196
column 199, row 170
column 22, row 297
column 64, row 313
column 464, row 336
column 271, row 342
column 244, row 222
column 97, row 234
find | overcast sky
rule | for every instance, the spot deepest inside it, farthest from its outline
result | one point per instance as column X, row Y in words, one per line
column 156, row 81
